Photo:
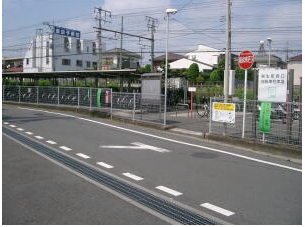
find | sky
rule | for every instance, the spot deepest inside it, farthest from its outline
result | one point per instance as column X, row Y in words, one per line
column 197, row 22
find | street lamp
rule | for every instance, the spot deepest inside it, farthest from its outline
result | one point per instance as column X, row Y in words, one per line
column 168, row 13
column 269, row 43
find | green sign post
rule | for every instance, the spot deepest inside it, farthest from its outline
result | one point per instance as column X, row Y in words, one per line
column 99, row 92
column 264, row 118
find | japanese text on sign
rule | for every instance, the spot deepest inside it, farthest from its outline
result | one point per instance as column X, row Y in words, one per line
column 272, row 85
column 223, row 112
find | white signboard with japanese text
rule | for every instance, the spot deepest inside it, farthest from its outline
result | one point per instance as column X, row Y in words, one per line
column 223, row 112
column 272, row 85
column 192, row 89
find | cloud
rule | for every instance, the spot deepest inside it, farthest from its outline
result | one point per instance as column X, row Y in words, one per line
column 128, row 6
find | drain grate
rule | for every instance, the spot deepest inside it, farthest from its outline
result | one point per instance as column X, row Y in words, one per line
column 155, row 203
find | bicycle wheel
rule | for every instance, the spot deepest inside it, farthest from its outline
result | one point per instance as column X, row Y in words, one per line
column 200, row 111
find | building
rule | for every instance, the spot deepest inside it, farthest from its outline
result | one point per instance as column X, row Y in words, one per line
column 63, row 50
column 185, row 63
column 111, row 59
column 12, row 64
column 205, row 57
column 160, row 60
column 262, row 59
column 295, row 63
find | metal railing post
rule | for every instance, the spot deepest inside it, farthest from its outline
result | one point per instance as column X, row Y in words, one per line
column 90, row 98
column 210, row 123
column 58, row 96
column 78, row 97
column 134, row 107
column 111, row 98
column 37, row 91
column 19, row 94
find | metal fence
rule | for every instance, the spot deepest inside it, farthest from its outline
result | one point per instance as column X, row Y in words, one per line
column 133, row 106
column 286, row 118
column 285, row 125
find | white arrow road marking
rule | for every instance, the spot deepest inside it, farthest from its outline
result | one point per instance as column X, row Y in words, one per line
column 138, row 146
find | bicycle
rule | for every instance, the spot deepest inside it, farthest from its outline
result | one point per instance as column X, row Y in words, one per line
column 203, row 110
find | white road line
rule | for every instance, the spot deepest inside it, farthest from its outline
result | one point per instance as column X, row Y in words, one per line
column 104, row 165
column 83, row 155
column 132, row 176
column 29, row 133
column 39, row 137
column 168, row 190
column 51, row 142
column 185, row 131
column 13, row 126
column 6, row 123
column 20, row 129
column 65, row 148
column 170, row 140
column 217, row 209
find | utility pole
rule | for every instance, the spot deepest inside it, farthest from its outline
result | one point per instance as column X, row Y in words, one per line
column 151, row 25
column 101, row 16
column 227, row 59
column 121, row 47
column 228, row 52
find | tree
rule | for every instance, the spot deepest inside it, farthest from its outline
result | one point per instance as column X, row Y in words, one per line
column 147, row 68
column 216, row 75
column 193, row 72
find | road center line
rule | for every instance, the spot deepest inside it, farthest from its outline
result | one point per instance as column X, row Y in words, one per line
column 104, row 165
column 217, row 209
column 65, row 148
column 6, row 123
column 132, row 176
column 51, row 142
column 20, row 129
column 83, row 155
column 168, row 190
column 29, row 133
column 170, row 140
column 13, row 126
column 39, row 137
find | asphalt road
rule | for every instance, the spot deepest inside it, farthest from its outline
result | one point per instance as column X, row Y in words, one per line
column 37, row 191
column 233, row 185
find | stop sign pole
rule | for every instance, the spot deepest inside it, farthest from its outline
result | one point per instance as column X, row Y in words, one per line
column 245, row 61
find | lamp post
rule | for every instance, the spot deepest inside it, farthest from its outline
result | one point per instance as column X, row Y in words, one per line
column 168, row 13
column 269, row 43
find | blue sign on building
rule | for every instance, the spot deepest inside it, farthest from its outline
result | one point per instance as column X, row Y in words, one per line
column 66, row 32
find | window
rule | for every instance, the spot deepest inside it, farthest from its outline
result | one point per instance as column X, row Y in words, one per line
column 109, row 61
column 27, row 61
column 66, row 43
column 79, row 63
column 88, row 63
column 87, row 49
column 94, row 65
column 78, row 45
column 94, row 48
column 66, row 62
column 47, row 52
